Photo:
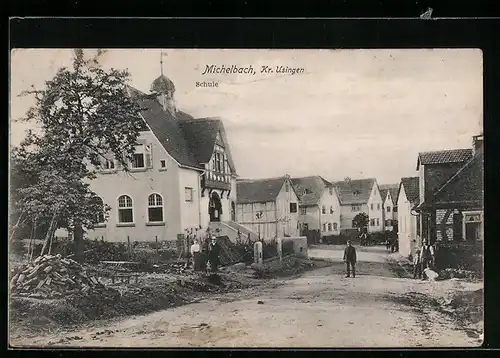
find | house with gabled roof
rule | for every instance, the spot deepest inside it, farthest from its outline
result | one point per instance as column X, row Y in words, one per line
column 182, row 174
column 454, row 210
column 389, row 194
column 408, row 198
column 268, row 206
column 435, row 169
column 358, row 196
column 319, row 206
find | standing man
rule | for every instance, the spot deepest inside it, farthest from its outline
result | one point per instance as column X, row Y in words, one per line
column 213, row 254
column 195, row 254
column 350, row 259
column 426, row 256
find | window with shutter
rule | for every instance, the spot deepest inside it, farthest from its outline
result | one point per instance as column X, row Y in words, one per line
column 149, row 156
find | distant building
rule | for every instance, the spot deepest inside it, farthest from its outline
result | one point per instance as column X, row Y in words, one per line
column 389, row 194
column 319, row 206
column 269, row 207
column 408, row 199
column 357, row 196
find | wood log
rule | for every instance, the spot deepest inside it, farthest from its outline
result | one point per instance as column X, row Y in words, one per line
column 47, row 269
column 57, row 275
column 21, row 278
column 15, row 278
column 49, row 280
column 27, row 283
column 40, row 284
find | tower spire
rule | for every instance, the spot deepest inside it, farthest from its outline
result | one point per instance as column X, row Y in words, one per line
column 161, row 63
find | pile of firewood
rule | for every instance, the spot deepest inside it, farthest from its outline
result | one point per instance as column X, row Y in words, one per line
column 52, row 276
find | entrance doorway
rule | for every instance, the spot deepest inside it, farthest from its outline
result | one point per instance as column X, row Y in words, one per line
column 472, row 231
column 233, row 211
column 305, row 229
column 215, row 207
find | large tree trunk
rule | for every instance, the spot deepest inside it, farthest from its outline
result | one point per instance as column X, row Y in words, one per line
column 78, row 239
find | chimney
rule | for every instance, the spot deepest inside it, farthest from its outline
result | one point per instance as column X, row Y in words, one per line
column 477, row 143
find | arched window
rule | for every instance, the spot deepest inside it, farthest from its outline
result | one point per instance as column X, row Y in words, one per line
column 99, row 203
column 155, row 208
column 125, row 209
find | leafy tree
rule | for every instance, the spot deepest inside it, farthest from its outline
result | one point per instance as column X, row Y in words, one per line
column 85, row 116
column 360, row 221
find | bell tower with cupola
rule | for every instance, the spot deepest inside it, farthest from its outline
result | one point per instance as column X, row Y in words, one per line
column 164, row 90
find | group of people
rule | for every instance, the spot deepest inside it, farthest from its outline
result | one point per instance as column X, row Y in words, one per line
column 197, row 259
column 424, row 259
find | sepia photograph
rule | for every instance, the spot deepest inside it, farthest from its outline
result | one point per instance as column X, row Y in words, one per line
column 255, row 198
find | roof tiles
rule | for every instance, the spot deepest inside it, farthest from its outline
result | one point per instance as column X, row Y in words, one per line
column 354, row 191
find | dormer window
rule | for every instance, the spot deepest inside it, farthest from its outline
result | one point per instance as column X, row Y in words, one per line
column 355, row 193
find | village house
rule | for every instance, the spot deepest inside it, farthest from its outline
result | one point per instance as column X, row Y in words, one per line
column 451, row 209
column 268, row 207
column 181, row 176
column 360, row 196
column 407, row 199
column 389, row 194
column 319, row 206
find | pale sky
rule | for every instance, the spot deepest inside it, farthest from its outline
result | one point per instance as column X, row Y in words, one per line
column 356, row 113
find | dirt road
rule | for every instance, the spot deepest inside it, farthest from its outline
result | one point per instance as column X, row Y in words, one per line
column 319, row 309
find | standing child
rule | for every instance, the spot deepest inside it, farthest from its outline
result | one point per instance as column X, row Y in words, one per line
column 417, row 269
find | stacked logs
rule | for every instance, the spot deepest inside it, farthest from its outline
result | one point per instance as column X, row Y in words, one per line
column 51, row 277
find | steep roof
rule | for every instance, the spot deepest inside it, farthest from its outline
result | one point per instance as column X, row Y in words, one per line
column 392, row 188
column 354, row 191
column 412, row 189
column 310, row 189
column 189, row 141
column 258, row 190
column 444, row 156
column 466, row 186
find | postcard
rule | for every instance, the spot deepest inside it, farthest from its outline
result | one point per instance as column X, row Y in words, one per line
column 246, row 198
